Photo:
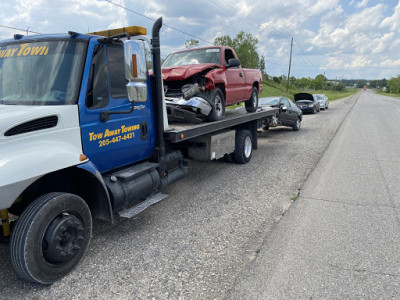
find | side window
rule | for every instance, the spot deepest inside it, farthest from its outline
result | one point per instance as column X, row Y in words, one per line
column 116, row 67
column 97, row 93
column 285, row 102
column 228, row 55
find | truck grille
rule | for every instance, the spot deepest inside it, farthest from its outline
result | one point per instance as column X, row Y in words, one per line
column 34, row 125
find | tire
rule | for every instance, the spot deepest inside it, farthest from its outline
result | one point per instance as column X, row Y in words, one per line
column 218, row 111
column 51, row 237
column 297, row 125
column 252, row 104
column 243, row 146
column 326, row 106
column 229, row 157
column 314, row 111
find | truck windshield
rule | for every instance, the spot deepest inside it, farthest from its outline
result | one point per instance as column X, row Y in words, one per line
column 193, row 57
column 41, row 73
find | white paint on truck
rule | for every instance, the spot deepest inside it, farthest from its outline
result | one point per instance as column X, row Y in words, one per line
column 28, row 156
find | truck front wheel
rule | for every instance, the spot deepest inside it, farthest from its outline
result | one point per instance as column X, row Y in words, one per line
column 218, row 111
column 51, row 237
column 243, row 146
column 252, row 104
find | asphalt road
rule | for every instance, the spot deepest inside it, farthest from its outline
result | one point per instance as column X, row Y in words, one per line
column 231, row 231
column 341, row 238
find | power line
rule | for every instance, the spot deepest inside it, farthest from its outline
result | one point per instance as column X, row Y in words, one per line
column 19, row 29
column 298, row 45
column 176, row 29
column 378, row 68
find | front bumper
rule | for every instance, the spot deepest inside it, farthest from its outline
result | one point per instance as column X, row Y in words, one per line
column 306, row 109
column 10, row 193
column 192, row 110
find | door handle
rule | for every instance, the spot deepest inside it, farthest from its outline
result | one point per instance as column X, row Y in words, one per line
column 241, row 74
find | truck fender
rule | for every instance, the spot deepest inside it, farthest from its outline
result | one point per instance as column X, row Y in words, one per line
column 98, row 197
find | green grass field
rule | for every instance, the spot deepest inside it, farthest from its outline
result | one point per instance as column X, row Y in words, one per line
column 270, row 91
column 387, row 94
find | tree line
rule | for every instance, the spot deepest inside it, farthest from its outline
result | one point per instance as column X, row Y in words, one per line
column 245, row 46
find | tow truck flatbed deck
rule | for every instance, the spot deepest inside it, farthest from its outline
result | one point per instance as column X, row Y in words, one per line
column 179, row 132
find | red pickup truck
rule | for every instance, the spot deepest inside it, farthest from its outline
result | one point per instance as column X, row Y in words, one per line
column 200, row 82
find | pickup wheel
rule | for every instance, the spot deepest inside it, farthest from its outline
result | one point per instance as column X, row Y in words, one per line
column 252, row 104
column 243, row 146
column 218, row 111
column 50, row 237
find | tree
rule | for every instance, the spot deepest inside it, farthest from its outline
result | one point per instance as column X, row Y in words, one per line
column 262, row 65
column 277, row 79
column 394, row 84
column 245, row 46
column 319, row 82
column 340, row 87
column 303, row 82
column 192, row 43
column 361, row 83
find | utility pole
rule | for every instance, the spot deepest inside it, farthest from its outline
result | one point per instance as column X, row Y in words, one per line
column 290, row 63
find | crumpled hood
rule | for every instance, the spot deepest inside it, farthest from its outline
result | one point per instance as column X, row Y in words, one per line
column 184, row 71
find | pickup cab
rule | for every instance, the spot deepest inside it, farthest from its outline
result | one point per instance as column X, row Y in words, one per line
column 200, row 82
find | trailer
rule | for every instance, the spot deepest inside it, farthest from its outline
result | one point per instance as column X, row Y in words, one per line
column 83, row 144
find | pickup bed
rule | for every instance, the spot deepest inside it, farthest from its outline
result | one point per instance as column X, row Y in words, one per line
column 200, row 82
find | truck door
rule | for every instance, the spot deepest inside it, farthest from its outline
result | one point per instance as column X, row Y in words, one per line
column 126, row 137
column 235, row 89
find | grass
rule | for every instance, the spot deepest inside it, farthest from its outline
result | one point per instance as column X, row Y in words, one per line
column 276, row 90
column 387, row 94
column 270, row 91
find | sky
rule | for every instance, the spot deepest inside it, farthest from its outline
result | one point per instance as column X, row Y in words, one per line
column 353, row 39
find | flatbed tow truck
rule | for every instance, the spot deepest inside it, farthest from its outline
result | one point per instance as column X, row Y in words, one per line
column 82, row 144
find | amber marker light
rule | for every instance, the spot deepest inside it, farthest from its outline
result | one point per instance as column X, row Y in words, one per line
column 134, row 66
column 82, row 157
column 182, row 136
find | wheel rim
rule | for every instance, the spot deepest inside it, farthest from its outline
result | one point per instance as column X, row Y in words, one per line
column 255, row 99
column 298, row 123
column 63, row 238
column 247, row 146
column 218, row 105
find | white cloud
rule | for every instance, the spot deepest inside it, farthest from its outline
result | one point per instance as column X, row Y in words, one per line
column 329, row 34
column 393, row 22
column 362, row 3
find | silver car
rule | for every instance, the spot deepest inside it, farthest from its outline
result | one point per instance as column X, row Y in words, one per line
column 323, row 101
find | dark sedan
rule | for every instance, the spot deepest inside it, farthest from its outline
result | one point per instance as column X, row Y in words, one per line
column 288, row 115
column 308, row 103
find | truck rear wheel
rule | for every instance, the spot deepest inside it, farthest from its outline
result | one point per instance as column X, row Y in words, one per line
column 51, row 237
column 252, row 104
column 218, row 111
column 243, row 146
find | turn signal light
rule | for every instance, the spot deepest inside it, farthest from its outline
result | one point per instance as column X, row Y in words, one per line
column 82, row 157
column 132, row 30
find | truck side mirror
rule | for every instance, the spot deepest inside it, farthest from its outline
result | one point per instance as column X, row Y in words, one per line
column 135, row 70
column 233, row 62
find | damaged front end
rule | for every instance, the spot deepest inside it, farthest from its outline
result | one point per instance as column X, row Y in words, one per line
column 190, row 107
column 189, row 99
